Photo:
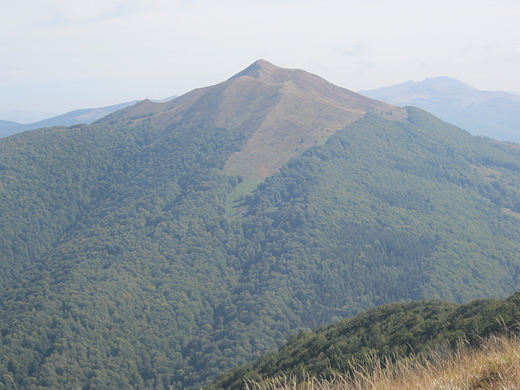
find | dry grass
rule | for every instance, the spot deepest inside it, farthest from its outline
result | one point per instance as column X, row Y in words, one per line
column 495, row 364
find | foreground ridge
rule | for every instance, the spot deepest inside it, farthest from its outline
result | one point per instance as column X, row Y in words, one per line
column 392, row 344
column 493, row 364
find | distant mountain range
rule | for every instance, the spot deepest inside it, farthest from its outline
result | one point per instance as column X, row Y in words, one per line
column 87, row 115
column 494, row 114
column 485, row 113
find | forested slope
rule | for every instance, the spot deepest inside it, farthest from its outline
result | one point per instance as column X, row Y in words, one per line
column 123, row 267
column 387, row 332
column 110, row 287
column 386, row 210
column 48, row 179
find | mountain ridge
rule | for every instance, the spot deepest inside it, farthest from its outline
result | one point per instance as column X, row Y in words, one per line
column 4, row 124
column 75, row 117
column 389, row 333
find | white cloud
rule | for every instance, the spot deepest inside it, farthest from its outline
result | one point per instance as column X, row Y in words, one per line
column 73, row 11
column 502, row 53
column 353, row 51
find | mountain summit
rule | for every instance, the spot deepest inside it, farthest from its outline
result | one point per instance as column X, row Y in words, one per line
column 281, row 112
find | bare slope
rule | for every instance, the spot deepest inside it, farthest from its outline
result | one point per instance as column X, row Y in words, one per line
column 281, row 112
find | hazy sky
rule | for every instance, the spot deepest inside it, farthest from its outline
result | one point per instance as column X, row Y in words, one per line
column 61, row 55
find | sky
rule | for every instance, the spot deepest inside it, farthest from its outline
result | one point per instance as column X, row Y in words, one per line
column 62, row 55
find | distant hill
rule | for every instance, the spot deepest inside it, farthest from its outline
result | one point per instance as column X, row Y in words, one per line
column 4, row 124
column 87, row 115
column 166, row 243
column 388, row 331
column 491, row 114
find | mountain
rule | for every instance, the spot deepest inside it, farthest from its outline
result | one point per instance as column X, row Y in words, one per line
column 386, row 332
column 8, row 124
column 75, row 117
column 491, row 114
column 166, row 243
column 87, row 115
column 280, row 112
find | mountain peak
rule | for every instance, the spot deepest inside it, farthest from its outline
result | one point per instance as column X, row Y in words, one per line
column 444, row 81
column 265, row 71
column 255, row 67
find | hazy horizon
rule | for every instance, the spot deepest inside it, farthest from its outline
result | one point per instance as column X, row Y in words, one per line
column 62, row 55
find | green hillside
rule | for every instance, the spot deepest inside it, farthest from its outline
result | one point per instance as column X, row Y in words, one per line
column 120, row 297
column 391, row 210
column 390, row 331
column 131, row 259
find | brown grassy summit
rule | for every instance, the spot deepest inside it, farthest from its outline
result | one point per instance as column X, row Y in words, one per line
column 280, row 111
column 305, row 109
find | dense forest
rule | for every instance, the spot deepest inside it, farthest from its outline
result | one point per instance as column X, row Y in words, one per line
column 125, row 264
column 389, row 332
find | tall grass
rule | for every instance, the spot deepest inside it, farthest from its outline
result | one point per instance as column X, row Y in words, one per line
column 494, row 364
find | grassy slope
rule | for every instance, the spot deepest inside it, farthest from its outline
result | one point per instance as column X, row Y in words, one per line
column 234, row 203
column 493, row 364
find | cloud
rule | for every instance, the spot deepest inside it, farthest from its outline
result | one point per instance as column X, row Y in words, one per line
column 491, row 52
column 356, row 50
column 501, row 53
column 66, row 12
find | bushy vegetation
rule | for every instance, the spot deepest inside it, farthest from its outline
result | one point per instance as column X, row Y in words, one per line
column 123, row 267
column 388, row 333
column 493, row 364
